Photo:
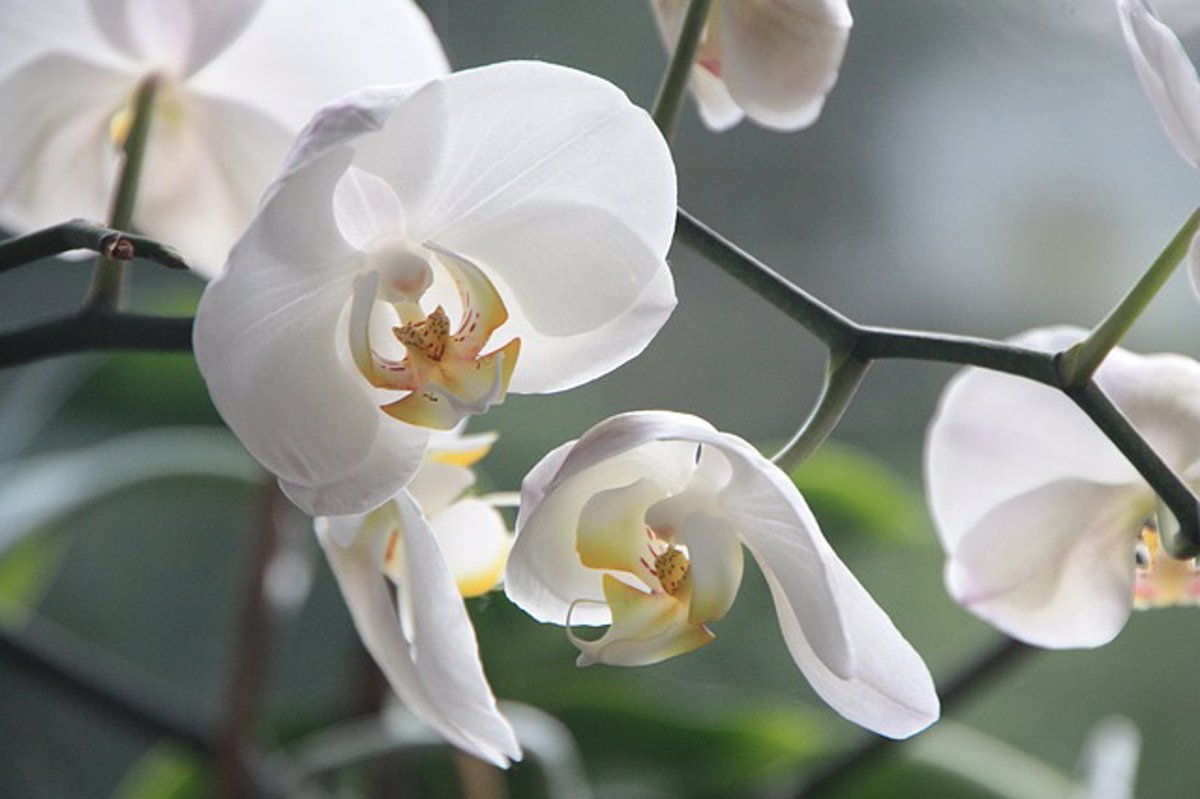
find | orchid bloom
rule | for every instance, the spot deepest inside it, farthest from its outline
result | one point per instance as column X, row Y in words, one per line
column 1051, row 534
column 426, row 249
column 432, row 549
column 236, row 81
column 640, row 525
column 771, row 60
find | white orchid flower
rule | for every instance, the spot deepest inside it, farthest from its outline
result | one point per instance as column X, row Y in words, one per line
column 771, row 60
column 433, row 546
column 640, row 525
column 533, row 203
column 1050, row 532
column 237, row 81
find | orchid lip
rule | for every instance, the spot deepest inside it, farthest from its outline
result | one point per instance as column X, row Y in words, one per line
column 446, row 377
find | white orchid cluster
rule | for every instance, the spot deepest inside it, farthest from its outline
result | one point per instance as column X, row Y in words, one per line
column 435, row 240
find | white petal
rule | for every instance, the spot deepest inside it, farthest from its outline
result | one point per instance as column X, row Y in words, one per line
column 1054, row 566
column 267, row 341
column 890, row 690
column 57, row 161
column 366, row 208
column 715, row 552
column 437, row 673
column 297, row 55
column 781, row 58
column 204, row 175
column 28, row 30
column 436, row 485
column 995, row 436
column 1167, row 75
column 475, row 542
column 717, row 108
column 180, row 36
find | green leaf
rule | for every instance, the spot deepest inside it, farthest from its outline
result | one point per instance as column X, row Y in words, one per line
column 853, row 492
column 165, row 772
column 26, row 572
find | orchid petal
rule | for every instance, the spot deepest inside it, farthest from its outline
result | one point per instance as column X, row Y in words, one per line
column 271, row 65
column 436, row 673
column 889, row 690
column 366, row 208
column 52, row 165
column 995, row 436
column 717, row 108
column 435, row 486
column 646, row 628
column 28, row 30
column 715, row 552
column 612, row 528
column 781, row 58
column 179, row 35
column 1166, row 74
column 1054, row 566
column 265, row 346
column 475, row 542
column 218, row 156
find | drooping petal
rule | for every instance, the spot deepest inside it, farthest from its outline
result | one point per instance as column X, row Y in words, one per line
column 57, row 161
column 296, row 55
column 889, row 690
column 436, row 672
column 475, row 542
column 646, row 628
column 781, row 58
column 717, row 108
column 266, row 340
column 544, row 574
column 1167, row 75
column 995, row 436
column 180, row 36
column 1053, row 566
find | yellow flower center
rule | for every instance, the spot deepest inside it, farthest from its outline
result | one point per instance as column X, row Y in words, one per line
column 443, row 372
column 1160, row 580
column 672, row 568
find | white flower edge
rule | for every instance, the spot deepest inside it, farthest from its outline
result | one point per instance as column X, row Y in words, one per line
column 426, row 648
column 842, row 641
column 1037, row 510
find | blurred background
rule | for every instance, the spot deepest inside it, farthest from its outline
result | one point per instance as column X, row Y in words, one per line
column 980, row 168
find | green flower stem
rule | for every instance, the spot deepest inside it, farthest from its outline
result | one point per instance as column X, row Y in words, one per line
column 670, row 94
column 109, row 277
column 865, row 344
column 79, row 234
column 1080, row 362
column 836, row 331
column 844, row 376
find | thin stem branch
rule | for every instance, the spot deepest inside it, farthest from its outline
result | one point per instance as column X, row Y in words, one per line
column 674, row 85
column 52, row 655
column 1182, row 539
column 877, row 343
column 984, row 667
column 79, row 234
column 844, row 377
column 88, row 331
column 1081, row 361
column 109, row 277
column 835, row 330
column 249, row 653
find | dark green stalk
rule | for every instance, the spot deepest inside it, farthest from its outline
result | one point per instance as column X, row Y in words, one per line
column 93, row 331
column 79, row 234
column 674, row 85
column 844, row 377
